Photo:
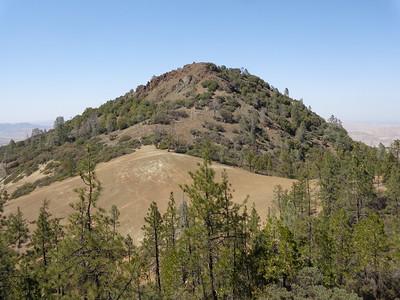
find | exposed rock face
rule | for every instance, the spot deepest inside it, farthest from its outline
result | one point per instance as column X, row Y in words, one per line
column 177, row 81
column 187, row 79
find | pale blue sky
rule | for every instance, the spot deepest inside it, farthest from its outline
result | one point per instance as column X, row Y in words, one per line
column 59, row 57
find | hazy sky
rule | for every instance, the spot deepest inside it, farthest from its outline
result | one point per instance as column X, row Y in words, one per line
column 59, row 57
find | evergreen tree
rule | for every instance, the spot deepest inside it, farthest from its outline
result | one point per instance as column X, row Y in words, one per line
column 152, row 241
column 8, row 258
column 205, row 193
column 371, row 251
column 8, row 271
column 359, row 190
column 87, row 263
column 114, row 213
column 170, row 220
column 334, row 247
column 393, row 190
column 44, row 240
column 395, row 149
column 17, row 229
column 216, row 221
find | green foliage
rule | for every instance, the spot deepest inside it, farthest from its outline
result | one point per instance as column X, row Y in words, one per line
column 17, row 233
column 152, row 240
column 336, row 231
column 393, row 191
column 24, row 189
column 211, row 85
column 209, row 247
column 281, row 132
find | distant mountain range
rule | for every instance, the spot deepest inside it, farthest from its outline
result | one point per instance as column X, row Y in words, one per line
column 373, row 133
column 18, row 131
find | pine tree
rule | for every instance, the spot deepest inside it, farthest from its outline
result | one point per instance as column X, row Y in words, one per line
column 44, row 240
column 8, row 272
column 359, row 189
column 275, row 257
column 393, row 190
column 90, row 193
column 17, row 229
column 395, row 149
column 204, row 193
column 371, row 250
column 334, row 243
column 152, row 240
column 87, row 263
column 135, row 268
column 3, row 199
column 170, row 220
column 216, row 221
column 8, row 258
column 114, row 213
column 330, row 182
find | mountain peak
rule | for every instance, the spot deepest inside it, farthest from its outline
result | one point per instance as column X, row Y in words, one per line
column 243, row 120
column 176, row 83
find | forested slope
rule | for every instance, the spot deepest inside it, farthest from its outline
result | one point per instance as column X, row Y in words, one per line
column 342, row 242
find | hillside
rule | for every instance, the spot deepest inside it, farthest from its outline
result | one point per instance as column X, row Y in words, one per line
column 135, row 180
column 245, row 122
column 331, row 238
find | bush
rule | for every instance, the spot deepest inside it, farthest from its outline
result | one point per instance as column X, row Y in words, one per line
column 124, row 138
column 178, row 114
column 187, row 103
column 112, row 136
column 44, row 181
column 161, row 118
column 213, row 126
column 204, row 96
column 227, row 116
column 23, row 190
column 211, row 85
column 195, row 132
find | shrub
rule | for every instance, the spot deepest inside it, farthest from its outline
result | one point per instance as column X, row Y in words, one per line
column 161, row 118
column 112, row 136
column 213, row 126
column 195, row 132
column 204, row 96
column 211, row 85
column 226, row 116
column 23, row 190
column 178, row 114
column 124, row 138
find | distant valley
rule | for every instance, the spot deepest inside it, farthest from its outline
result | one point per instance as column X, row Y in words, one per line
column 373, row 133
column 19, row 131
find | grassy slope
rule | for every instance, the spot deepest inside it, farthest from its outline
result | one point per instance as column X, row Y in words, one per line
column 132, row 181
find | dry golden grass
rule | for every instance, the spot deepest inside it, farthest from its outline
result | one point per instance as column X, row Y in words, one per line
column 132, row 181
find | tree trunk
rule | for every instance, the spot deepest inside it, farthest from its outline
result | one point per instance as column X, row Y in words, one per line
column 211, row 267
column 309, row 223
column 157, row 259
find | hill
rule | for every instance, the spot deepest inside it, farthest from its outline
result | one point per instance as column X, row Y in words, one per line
column 135, row 180
column 333, row 240
column 245, row 121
